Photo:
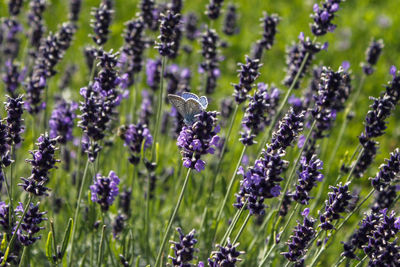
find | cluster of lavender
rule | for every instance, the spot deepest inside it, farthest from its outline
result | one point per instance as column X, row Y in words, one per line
column 387, row 172
column 372, row 55
column 305, row 51
column 333, row 90
column 209, row 43
column 133, row 48
column 153, row 73
column 262, row 180
column 14, row 107
column 385, row 199
column 261, row 108
column 337, row 202
column 230, row 23
column 13, row 77
column 375, row 123
column 323, row 16
column 101, row 23
column 214, row 9
column 136, row 137
column 225, row 256
column 9, row 31
column 30, row 224
column 183, row 249
column 178, row 79
column 248, row 73
column 190, row 26
column 149, row 14
column 74, row 10
column 269, row 24
column 199, row 139
column 299, row 241
column 100, row 100
column 169, row 34
column 36, row 25
column 308, row 176
column 42, row 162
column 105, row 190
column 61, row 121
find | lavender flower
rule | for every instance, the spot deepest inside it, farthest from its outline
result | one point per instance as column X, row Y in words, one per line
column 380, row 250
column 35, row 17
column 149, row 14
column 190, row 26
column 101, row 23
column 11, row 43
column 61, row 121
column 74, row 10
column 14, row 108
column 199, row 139
column 367, row 156
column 66, row 79
column 5, row 217
column 183, row 249
column 146, row 108
column 308, row 176
column 65, row 34
column 90, row 54
column 30, row 224
column 261, row 181
column 118, row 225
column 169, row 34
column 214, row 9
column 299, row 241
column 360, row 237
column 14, row 7
column 269, row 24
column 323, row 17
column 387, row 172
column 287, row 200
column 226, row 108
column 125, row 201
column 230, row 23
column 337, row 202
column 134, row 136
column 304, row 50
column 42, row 162
column 289, row 127
column 262, row 106
column 225, row 256
column 105, row 189
column 372, row 56
column 385, row 199
column 153, row 73
column 134, row 44
column 12, row 77
column 248, row 73
column 4, row 145
column 381, row 108
column 210, row 66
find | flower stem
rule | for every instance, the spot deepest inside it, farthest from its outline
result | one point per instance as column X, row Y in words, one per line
column 159, row 109
column 100, row 255
column 171, row 220
column 266, row 256
column 233, row 223
column 227, row 194
column 75, row 222
column 361, row 261
column 242, row 228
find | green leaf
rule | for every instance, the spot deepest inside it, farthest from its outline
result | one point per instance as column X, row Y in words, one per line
column 49, row 249
column 4, row 243
column 66, row 238
column 137, row 261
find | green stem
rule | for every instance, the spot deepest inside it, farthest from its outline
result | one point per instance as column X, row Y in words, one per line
column 100, row 255
column 71, row 255
column 227, row 194
column 147, row 220
column 14, row 236
column 290, row 217
column 339, row 261
column 171, row 220
column 22, row 260
column 159, row 109
column 266, row 256
column 242, row 228
column 233, row 223
column 361, row 261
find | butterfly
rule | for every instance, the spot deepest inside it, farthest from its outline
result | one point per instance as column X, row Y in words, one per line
column 188, row 105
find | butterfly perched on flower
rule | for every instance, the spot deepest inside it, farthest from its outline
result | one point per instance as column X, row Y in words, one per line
column 188, row 105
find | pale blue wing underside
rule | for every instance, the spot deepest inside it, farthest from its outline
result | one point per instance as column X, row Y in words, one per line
column 204, row 102
column 187, row 95
column 192, row 108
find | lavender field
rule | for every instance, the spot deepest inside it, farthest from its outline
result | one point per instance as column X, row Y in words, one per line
column 199, row 133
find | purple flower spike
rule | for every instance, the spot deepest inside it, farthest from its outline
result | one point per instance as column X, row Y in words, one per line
column 198, row 139
column 345, row 65
column 305, row 212
column 323, row 16
column 225, row 256
column 62, row 121
column 248, row 73
column 134, row 136
column 372, row 56
column 105, row 190
column 184, row 249
column 29, row 226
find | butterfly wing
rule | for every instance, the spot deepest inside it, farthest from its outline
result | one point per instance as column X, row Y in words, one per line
column 187, row 96
column 192, row 108
column 178, row 102
column 204, row 102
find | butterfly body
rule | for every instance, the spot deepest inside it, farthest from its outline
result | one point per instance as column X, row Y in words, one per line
column 188, row 105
